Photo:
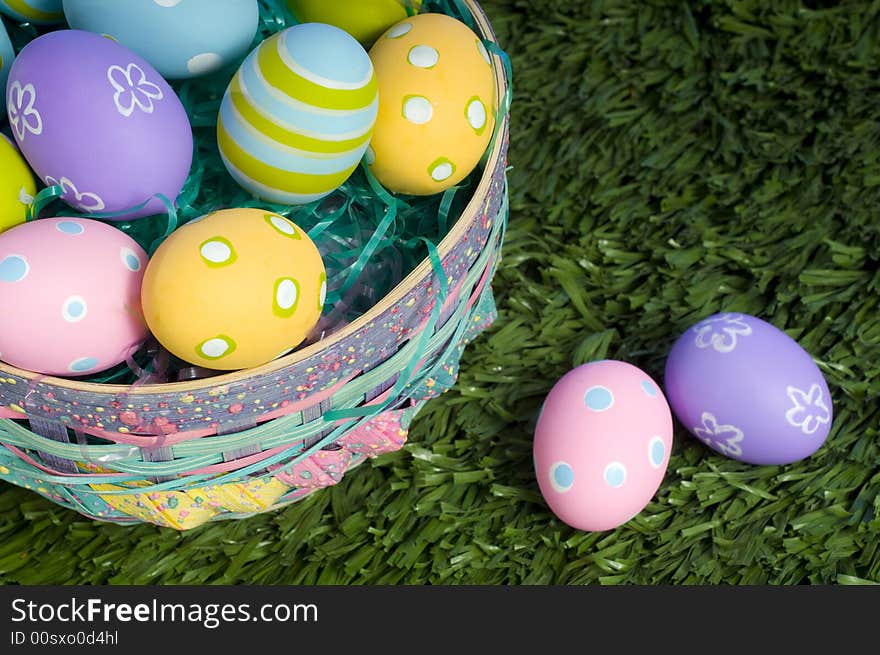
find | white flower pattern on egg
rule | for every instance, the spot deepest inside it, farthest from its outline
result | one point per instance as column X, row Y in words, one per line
column 133, row 90
column 23, row 116
column 721, row 332
column 84, row 200
column 726, row 438
column 809, row 411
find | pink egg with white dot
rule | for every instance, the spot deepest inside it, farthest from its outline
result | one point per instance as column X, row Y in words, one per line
column 70, row 288
column 602, row 444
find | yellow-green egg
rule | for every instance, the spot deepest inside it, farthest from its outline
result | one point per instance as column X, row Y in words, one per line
column 17, row 187
column 298, row 114
column 365, row 20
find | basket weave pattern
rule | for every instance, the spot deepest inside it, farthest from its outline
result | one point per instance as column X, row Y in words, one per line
column 181, row 454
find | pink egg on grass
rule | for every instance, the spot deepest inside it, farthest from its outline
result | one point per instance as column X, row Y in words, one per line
column 97, row 120
column 602, row 444
column 70, row 289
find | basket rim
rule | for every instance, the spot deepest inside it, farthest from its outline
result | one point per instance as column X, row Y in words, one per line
column 390, row 299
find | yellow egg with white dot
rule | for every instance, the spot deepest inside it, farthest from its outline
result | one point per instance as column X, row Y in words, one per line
column 234, row 289
column 17, row 186
column 437, row 104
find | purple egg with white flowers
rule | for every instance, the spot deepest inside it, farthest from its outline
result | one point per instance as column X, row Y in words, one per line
column 748, row 390
column 97, row 120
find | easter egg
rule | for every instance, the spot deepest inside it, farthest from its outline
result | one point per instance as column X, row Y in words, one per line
column 298, row 115
column 75, row 287
column 234, row 289
column 95, row 119
column 365, row 20
column 748, row 390
column 180, row 39
column 602, row 444
column 38, row 12
column 17, row 186
column 437, row 103
column 7, row 54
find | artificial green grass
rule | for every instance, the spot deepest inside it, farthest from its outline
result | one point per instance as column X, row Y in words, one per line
column 670, row 160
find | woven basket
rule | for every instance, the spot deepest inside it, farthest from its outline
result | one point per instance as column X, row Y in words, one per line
column 181, row 454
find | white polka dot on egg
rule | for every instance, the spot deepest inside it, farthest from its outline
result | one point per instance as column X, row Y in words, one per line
column 476, row 114
column 484, row 52
column 423, row 56
column 442, row 170
column 286, row 294
column 418, row 110
column 215, row 348
column 399, row 30
column 216, row 251
column 285, row 227
column 206, row 62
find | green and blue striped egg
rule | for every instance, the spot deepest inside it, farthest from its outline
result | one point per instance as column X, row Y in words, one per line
column 298, row 115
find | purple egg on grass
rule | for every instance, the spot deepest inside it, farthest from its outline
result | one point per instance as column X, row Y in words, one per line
column 748, row 390
column 95, row 118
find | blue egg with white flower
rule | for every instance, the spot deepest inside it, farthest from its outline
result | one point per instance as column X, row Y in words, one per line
column 748, row 390
column 180, row 38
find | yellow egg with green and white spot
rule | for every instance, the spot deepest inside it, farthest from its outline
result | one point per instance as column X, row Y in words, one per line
column 437, row 104
column 234, row 289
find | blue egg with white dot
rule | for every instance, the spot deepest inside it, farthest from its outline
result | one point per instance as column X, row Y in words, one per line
column 180, row 38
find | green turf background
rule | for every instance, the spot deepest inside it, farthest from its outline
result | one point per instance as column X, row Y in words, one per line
column 670, row 160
